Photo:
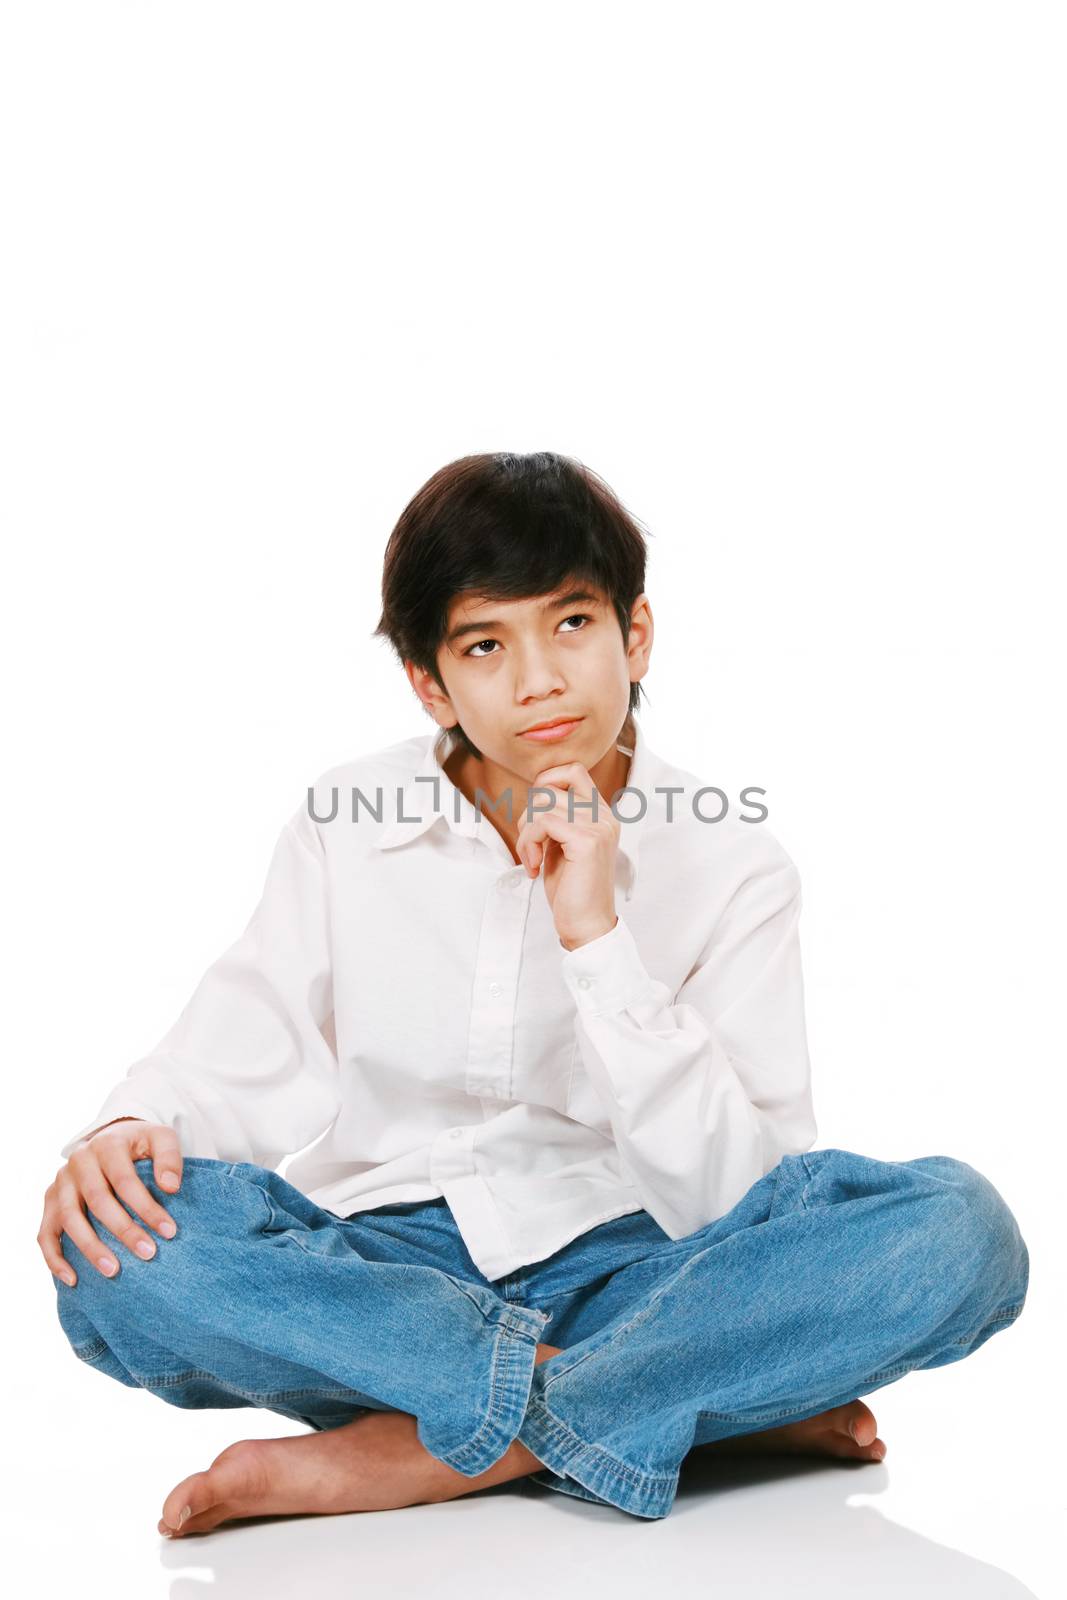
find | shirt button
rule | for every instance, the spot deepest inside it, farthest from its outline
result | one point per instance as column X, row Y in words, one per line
column 583, row 983
column 456, row 1133
column 495, row 989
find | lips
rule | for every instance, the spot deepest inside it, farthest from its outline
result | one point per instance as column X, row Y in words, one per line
column 554, row 733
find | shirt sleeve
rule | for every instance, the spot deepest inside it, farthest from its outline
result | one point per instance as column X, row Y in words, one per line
column 705, row 1094
column 247, row 1073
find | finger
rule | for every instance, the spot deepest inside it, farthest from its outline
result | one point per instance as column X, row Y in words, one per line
column 116, row 1163
column 536, row 843
column 48, row 1239
column 555, row 822
column 529, row 849
column 533, row 837
column 72, row 1221
column 568, row 775
column 166, row 1153
column 574, row 777
column 94, row 1186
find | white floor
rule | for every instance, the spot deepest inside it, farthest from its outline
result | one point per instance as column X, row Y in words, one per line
column 969, row 1501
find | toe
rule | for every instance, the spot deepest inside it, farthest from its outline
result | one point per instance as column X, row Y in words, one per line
column 236, row 1483
column 209, row 1519
column 875, row 1451
column 186, row 1502
column 860, row 1423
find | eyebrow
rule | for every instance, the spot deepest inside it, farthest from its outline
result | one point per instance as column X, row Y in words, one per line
column 572, row 597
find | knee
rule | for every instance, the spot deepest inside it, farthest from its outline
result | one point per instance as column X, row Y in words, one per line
column 199, row 1211
column 978, row 1228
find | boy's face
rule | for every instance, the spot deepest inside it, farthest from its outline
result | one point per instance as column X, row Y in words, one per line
column 508, row 664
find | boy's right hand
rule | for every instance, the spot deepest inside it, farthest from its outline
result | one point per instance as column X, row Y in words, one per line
column 98, row 1170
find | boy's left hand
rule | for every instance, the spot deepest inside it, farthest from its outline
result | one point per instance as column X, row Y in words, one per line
column 578, row 857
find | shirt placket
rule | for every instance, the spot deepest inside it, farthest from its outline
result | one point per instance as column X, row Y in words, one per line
column 491, row 1040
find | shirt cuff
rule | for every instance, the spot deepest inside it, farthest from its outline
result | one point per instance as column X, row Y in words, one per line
column 607, row 974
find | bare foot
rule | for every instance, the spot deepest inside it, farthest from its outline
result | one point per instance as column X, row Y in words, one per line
column 848, row 1431
column 374, row 1463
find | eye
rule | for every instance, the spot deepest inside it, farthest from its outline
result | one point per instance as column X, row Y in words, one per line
column 577, row 616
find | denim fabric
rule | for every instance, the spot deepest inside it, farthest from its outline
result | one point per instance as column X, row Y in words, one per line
column 834, row 1275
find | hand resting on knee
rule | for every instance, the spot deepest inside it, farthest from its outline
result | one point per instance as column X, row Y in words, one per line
column 98, row 1174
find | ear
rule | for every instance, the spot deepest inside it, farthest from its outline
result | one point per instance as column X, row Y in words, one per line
column 639, row 642
column 431, row 695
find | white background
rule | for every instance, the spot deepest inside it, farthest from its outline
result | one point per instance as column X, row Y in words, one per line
column 790, row 277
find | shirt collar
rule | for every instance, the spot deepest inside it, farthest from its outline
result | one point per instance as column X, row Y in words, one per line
column 418, row 811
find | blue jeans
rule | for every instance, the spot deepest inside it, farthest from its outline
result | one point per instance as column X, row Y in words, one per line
column 834, row 1275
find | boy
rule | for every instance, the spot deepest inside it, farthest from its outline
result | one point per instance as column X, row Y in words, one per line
column 551, row 1065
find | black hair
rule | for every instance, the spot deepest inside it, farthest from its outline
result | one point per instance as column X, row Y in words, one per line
column 505, row 527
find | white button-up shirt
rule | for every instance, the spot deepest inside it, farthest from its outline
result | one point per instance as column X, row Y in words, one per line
column 401, row 1003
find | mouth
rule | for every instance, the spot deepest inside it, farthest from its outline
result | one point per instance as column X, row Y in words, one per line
column 550, row 732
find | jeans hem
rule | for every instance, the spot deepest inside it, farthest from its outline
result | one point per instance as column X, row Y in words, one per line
column 515, row 1342
column 603, row 1476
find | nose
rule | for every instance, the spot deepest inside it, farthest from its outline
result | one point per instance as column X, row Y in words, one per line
column 537, row 678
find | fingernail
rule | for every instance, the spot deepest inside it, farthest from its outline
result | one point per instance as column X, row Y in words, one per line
column 108, row 1264
column 167, row 1229
column 187, row 1511
column 145, row 1248
column 169, row 1178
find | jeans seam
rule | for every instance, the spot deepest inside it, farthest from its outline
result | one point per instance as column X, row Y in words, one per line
column 493, row 1405
column 90, row 1351
column 757, row 1419
column 634, row 1476
column 170, row 1380
column 597, row 1470
column 1002, row 1318
column 509, row 1332
column 259, row 1397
